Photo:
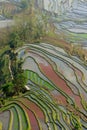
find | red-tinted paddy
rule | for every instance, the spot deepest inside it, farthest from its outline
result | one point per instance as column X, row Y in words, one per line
column 49, row 72
column 59, row 98
column 59, row 82
column 34, row 108
column 33, row 121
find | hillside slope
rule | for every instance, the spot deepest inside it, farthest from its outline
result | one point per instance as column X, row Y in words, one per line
column 57, row 95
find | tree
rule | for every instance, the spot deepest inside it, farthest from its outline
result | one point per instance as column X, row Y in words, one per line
column 31, row 25
column 14, row 40
column 77, row 127
column 15, row 86
column 8, row 89
column 19, row 83
column 25, row 3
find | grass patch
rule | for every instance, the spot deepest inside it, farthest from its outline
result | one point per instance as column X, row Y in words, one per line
column 35, row 78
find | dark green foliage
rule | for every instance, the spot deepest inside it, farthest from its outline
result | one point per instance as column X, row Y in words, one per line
column 16, row 86
column 30, row 26
column 11, row 86
column 24, row 4
column 77, row 127
column 19, row 82
column 8, row 89
column 1, row 103
column 14, row 40
column 4, row 71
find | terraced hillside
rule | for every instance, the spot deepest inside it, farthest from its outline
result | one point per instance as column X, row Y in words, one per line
column 57, row 95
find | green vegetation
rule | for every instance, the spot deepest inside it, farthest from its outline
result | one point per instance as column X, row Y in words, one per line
column 35, row 78
column 30, row 26
column 12, row 80
column 16, row 86
column 15, row 123
column 76, row 123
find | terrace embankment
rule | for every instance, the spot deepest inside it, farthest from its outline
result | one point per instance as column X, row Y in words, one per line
column 57, row 93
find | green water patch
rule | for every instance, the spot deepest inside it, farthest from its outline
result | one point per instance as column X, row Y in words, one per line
column 22, row 118
column 82, row 35
column 15, row 123
column 35, row 78
column 32, row 76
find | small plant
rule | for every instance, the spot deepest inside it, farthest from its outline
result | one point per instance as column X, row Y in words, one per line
column 77, row 127
column 77, row 124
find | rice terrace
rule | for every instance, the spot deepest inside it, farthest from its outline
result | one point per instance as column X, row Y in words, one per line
column 43, row 77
